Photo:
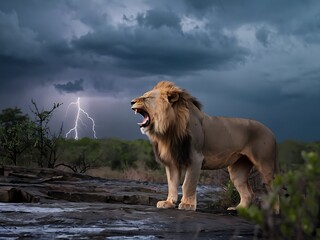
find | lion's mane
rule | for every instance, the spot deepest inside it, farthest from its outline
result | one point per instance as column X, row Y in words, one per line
column 170, row 134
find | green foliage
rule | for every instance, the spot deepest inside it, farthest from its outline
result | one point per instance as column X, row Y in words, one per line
column 300, row 207
column 150, row 161
column 80, row 155
column 229, row 197
column 15, row 134
column 24, row 139
column 289, row 153
column 122, row 155
column 12, row 116
column 232, row 194
column 117, row 154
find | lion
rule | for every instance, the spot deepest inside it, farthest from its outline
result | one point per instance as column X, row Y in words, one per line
column 184, row 138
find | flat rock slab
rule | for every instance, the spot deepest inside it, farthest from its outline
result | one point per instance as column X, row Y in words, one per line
column 115, row 221
column 49, row 204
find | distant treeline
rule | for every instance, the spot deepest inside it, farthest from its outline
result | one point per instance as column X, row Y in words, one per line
column 117, row 154
column 290, row 153
column 29, row 142
column 83, row 154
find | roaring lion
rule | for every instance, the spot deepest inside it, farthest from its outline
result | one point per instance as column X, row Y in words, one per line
column 185, row 138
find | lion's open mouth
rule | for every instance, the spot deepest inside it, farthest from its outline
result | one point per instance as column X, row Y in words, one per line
column 146, row 117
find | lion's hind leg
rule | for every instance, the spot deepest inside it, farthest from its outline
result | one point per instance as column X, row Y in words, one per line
column 267, row 173
column 239, row 174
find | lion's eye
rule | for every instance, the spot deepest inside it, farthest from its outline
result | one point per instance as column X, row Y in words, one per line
column 148, row 98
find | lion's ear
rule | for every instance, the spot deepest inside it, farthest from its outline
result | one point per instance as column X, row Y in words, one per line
column 173, row 96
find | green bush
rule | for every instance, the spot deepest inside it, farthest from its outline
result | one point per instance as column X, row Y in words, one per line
column 229, row 198
column 299, row 216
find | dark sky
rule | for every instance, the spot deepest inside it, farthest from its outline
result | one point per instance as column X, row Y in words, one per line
column 252, row 59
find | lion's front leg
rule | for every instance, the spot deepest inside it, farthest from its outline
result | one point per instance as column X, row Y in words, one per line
column 189, row 187
column 173, row 176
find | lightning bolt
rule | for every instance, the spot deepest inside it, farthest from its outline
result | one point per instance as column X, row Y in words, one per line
column 78, row 118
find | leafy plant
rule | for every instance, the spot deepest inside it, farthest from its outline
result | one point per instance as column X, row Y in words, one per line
column 15, row 134
column 299, row 216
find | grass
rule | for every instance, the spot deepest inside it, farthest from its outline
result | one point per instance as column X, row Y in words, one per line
column 135, row 174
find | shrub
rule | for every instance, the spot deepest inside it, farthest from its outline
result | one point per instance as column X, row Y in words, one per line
column 230, row 196
column 299, row 216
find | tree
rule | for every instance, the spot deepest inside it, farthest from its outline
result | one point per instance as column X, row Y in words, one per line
column 46, row 142
column 15, row 133
column 11, row 116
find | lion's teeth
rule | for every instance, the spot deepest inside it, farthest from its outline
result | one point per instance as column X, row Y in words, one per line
column 135, row 111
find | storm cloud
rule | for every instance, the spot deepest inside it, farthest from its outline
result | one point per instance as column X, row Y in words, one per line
column 240, row 58
column 174, row 54
column 70, row 87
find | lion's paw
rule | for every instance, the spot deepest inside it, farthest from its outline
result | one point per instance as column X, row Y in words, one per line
column 187, row 206
column 165, row 204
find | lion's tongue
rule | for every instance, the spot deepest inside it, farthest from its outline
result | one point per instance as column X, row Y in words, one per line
column 145, row 120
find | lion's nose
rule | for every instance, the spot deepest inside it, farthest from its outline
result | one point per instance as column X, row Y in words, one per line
column 133, row 102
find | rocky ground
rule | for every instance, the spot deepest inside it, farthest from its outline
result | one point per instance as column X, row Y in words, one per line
column 51, row 204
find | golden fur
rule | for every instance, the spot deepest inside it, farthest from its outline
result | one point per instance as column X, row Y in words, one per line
column 185, row 138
